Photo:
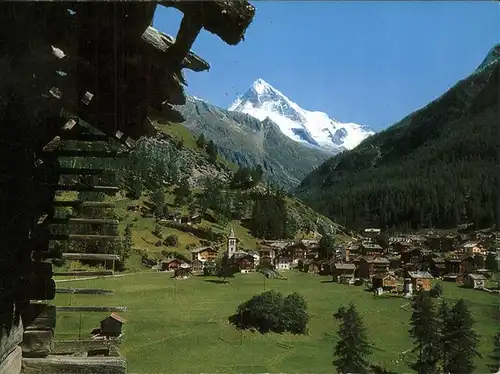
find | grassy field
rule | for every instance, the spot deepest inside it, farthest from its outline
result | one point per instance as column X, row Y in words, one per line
column 180, row 326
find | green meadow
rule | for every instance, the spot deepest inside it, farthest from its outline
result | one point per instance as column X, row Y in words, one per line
column 180, row 326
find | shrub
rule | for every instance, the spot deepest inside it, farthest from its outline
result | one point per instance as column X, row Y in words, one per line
column 436, row 291
column 270, row 311
column 171, row 241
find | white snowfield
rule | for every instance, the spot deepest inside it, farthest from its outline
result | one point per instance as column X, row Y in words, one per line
column 314, row 128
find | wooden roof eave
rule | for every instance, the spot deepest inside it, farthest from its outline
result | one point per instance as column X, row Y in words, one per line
column 156, row 45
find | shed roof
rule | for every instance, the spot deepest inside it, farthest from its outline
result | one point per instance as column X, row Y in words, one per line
column 420, row 275
column 477, row 276
column 344, row 266
column 116, row 317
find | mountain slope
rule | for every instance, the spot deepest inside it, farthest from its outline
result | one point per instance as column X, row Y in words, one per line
column 438, row 167
column 314, row 128
column 247, row 141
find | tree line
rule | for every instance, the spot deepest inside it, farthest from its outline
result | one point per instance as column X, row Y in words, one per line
column 444, row 340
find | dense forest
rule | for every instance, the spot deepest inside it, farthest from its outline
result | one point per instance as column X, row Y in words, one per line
column 438, row 167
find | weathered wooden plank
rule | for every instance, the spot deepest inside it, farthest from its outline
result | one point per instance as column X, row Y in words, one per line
column 159, row 42
column 84, row 187
column 37, row 343
column 90, row 256
column 91, row 308
column 84, row 291
column 83, row 273
column 77, row 203
column 72, row 346
column 85, row 171
column 74, row 365
column 10, row 337
column 81, row 237
column 39, row 316
column 11, row 364
column 88, row 153
column 89, row 221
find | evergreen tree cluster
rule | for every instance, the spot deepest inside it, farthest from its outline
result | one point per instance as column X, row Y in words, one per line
column 444, row 338
column 209, row 147
column 247, row 177
column 270, row 218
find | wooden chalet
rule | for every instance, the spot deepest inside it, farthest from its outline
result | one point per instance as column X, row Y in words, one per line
column 437, row 266
column 204, row 254
column 413, row 256
column 171, row 264
column 267, row 255
column 369, row 266
column 296, row 252
column 402, row 247
column 309, row 266
column 244, row 262
column 421, row 280
column 343, row 272
column 476, row 281
column 454, row 266
column 283, row 263
column 384, row 281
column 370, row 249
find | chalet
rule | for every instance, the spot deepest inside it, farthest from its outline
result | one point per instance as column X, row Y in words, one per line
column 370, row 249
column 283, row 263
column 454, row 266
column 310, row 243
column 421, row 280
column 475, row 281
column 370, row 234
column 296, row 252
column 384, row 281
column 417, row 240
column 412, row 256
column 394, row 261
column 309, row 266
column 343, row 272
column 368, row 266
column 183, row 272
column 171, row 264
column 195, row 219
column 111, row 327
column 204, row 254
column 437, row 266
column 244, row 263
column 266, row 256
column 402, row 247
column 255, row 256
column 441, row 243
column 473, row 248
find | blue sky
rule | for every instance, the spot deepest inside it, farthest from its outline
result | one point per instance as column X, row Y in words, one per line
column 369, row 62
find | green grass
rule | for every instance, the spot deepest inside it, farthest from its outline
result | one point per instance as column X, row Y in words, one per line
column 190, row 333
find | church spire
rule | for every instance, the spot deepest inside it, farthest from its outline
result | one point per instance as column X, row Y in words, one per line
column 231, row 233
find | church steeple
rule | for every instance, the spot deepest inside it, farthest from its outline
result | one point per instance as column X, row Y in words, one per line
column 231, row 243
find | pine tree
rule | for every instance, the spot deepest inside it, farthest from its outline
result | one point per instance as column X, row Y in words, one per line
column 212, row 152
column 425, row 333
column 444, row 329
column 201, row 142
column 128, row 243
column 462, row 340
column 496, row 353
column 353, row 348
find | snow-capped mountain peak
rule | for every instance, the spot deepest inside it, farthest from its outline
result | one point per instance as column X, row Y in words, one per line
column 315, row 128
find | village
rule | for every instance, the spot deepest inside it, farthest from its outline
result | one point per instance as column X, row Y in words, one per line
column 403, row 264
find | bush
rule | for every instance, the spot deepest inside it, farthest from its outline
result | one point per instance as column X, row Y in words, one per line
column 436, row 291
column 270, row 311
column 171, row 241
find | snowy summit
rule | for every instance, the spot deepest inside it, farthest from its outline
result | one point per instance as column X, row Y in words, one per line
column 317, row 129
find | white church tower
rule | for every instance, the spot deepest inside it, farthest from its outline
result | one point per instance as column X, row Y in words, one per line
column 231, row 243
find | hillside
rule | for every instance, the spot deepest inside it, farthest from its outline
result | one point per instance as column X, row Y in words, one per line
column 438, row 167
column 246, row 141
column 173, row 162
